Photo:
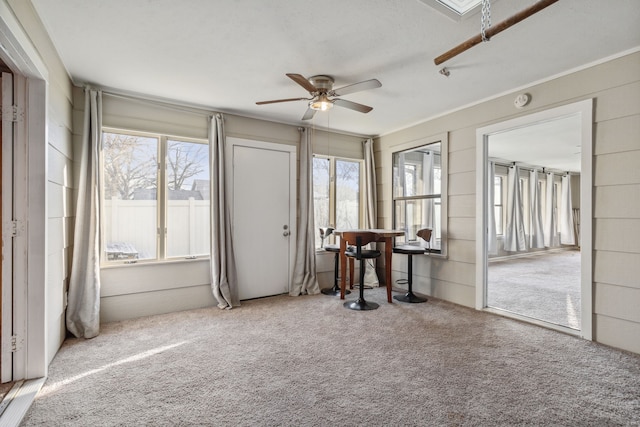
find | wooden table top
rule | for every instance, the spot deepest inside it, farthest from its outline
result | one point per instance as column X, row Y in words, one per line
column 379, row 231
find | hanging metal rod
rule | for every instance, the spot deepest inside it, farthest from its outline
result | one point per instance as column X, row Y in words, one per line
column 492, row 31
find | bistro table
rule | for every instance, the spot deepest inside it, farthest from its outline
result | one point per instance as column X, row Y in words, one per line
column 384, row 236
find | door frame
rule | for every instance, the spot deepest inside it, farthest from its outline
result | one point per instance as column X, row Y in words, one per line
column 30, row 77
column 6, row 355
column 585, row 110
column 293, row 199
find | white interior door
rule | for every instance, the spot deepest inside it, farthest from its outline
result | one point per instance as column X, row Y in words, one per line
column 263, row 215
column 6, row 332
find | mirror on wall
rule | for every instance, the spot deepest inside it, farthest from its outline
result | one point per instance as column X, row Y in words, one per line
column 417, row 192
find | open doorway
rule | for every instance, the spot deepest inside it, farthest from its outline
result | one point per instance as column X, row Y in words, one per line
column 534, row 248
column 533, row 252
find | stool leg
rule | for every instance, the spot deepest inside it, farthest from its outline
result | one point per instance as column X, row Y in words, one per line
column 409, row 296
column 336, row 278
column 360, row 303
column 351, row 270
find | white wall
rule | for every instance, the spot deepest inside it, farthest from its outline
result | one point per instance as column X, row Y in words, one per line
column 56, row 175
column 615, row 87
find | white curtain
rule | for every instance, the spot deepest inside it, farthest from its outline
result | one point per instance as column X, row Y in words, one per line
column 565, row 213
column 83, row 309
column 224, row 281
column 536, row 230
column 427, row 188
column 514, row 236
column 370, row 195
column 492, row 238
column 550, row 233
column 304, row 271
column 371, row 203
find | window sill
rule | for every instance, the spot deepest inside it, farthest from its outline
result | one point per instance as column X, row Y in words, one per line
column 121, row 264
column 436, row 255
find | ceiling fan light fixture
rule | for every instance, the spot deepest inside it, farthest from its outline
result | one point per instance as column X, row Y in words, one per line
column 322, row 103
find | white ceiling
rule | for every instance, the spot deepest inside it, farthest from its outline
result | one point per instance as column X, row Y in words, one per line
column 226, row 55
column 553, row 144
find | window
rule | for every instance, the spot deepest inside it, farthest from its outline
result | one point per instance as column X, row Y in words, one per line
column 336, row 193
column 455, row 9
column 417, row 192
column 461, row 6
column 154, row 209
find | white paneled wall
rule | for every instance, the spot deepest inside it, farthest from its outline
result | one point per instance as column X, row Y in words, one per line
column 57, row 180
column 616, row 269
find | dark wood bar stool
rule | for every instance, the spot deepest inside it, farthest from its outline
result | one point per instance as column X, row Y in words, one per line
column 335, row 249
column 411, row 250
column 360, row 239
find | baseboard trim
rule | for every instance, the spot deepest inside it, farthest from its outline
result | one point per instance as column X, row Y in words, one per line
column 559, row 328
column 534, row 253
column 17, row 402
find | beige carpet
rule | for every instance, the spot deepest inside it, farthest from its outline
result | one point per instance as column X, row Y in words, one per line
column 544, row 286
column 307, row 361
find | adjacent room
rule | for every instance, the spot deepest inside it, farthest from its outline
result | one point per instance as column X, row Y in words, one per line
column 302, row 212
column 534, row 234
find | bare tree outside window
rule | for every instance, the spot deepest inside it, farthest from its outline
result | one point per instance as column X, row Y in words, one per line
column 130, row 171
column 187, row 209
column 130, row 164
column 336, row 194
column 141, row 222
column 347, row 194
column 185, row 161
column 321, row 184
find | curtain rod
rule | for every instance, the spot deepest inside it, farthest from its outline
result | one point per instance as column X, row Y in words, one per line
column 170, row 105
column 531, row 168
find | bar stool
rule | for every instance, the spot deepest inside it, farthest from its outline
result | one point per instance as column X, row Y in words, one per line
column 335, row 249
column 360, row 239
column 411, row 250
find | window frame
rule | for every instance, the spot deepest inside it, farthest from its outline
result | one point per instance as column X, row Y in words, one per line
column 443, row 139
column 332, row 195
column 162, row 197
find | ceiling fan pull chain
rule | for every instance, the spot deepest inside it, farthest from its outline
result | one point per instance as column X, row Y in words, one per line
column 486, row 19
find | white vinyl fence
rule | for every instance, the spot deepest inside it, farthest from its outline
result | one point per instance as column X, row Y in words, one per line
column 131, row 228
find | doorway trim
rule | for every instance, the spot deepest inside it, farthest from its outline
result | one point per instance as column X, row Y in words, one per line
column 30, row 176
column 585, row 110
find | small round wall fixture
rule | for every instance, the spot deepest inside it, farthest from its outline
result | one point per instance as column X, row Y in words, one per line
column 522, row 100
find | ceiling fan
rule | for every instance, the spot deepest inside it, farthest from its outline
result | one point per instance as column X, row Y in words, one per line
column 323, row 96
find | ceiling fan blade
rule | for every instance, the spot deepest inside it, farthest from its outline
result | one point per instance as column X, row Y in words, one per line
column 309, row 114
column 302, row 81
column 357, row 87
column 281, row 100
column 352, row 105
